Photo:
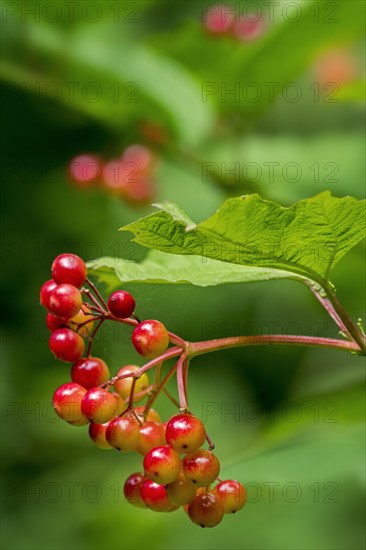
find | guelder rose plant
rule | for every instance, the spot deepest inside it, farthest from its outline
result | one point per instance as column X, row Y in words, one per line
column 247, row 239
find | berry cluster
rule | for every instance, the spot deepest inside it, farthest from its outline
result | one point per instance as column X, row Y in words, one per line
column 177, row 471
column 222, row 20
column 130, row 176
column 171, row 480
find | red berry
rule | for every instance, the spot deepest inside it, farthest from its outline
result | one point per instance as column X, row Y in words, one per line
column 123, row 433
column 231, row 494
column 121, row 304
column 65, row 301
column 85, row 170
column 150, row 338
column 162, row 464
column 70, row 269
column 201, row 467
column 152, row 434
column 206, row 510
column 185, row 433
column 45, row 292
column 132, row 490
column 90, row 372
column 54, row 322
column 66, row 345
column 123, row 385
column 155, row 496
column 219, row 18
column 182, row 491
column 97, row 435
column 99, row 405
column 67, row 403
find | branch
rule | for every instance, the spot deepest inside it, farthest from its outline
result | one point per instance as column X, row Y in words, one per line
column 183, row 405
column 322, row 297
column 172, row 352
column 351, row 328
column 200, row 348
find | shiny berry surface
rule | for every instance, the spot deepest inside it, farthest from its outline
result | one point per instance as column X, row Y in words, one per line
column 152, row 434
column 150, row 338
column 66, row 345
column 90, row 372
column 99, row 405
column 65, row 301
column 46, row 289
column 70, row 269
column 206, row 510
column 54, row 322
column 123, row 433
column 231, row 494
column 97, row 435
column 155, row 496
column 201, row 467
column 132, row 490
column 162, row 464
column 182, row 491
column 121, row 304
column 185, row 433
column 67, row 403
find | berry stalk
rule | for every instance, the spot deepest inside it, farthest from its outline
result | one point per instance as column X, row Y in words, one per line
column 200, row 348
column 183, row 404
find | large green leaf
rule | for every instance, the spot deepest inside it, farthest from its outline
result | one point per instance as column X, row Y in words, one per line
column 307, row 238
column 159, row 267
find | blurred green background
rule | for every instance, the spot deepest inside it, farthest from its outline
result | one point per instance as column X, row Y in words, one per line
column 288, row 423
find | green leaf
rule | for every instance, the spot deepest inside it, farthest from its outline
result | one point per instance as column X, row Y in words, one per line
column 159, row 267
column 307, row 238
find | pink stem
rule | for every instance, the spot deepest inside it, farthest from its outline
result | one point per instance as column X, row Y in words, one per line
column 94, row 300
column 170, row 397
column 172, row 352
column 354, row 332
column 320, row 295
column 199, row 348
column 92, row 336
column 181, row 383
column 97, row 293
column 152, row 398
column 79, row 325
